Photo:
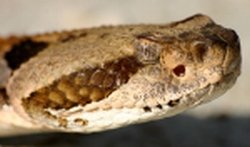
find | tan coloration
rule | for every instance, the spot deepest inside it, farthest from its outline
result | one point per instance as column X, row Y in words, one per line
column 96, row 94
column 84, row 91
column 72, row 95
column 56, row 97
column 115, row 76
column 62, row 122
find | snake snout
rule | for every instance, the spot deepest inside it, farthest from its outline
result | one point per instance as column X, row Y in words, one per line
column 232, row 59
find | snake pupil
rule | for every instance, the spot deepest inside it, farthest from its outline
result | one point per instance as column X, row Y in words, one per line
column 179, row 70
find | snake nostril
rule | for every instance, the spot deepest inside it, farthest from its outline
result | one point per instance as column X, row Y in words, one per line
column 179, row 70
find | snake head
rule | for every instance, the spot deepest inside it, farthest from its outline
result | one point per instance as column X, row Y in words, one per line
column 193, row 63
column 115, row 76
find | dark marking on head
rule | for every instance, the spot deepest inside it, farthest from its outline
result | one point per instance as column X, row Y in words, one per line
column 147, row 36
column 159, row 106
column 23, row 51
column 200, row 52
column 231, row 37
column 104, row 35
column 185, row 35
column 186, row 20
column 73, row 36
column 217, row 40
column 173, row 103
column 155, row 37
column 223, row 35
column 147, row 109
column 148, row 47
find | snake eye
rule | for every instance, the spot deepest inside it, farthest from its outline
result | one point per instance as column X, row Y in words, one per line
column 179, row 70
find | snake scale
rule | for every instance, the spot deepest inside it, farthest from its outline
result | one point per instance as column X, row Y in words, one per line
column 107, row 77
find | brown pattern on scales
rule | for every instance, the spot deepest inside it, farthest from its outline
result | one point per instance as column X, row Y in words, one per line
column 85, row 86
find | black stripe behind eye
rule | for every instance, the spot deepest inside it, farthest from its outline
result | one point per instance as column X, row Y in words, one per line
column 23, row 51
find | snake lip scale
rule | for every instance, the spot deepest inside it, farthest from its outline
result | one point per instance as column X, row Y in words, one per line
column 107, row 77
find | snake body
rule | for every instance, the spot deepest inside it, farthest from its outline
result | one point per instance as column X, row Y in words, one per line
column 107, row 77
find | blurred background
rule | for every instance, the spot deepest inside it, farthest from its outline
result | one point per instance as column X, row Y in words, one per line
column 224, row 122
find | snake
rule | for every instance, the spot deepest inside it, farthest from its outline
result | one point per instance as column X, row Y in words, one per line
column 101, row 78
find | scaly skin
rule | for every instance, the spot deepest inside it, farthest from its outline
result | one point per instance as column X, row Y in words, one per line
column 103, row 78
